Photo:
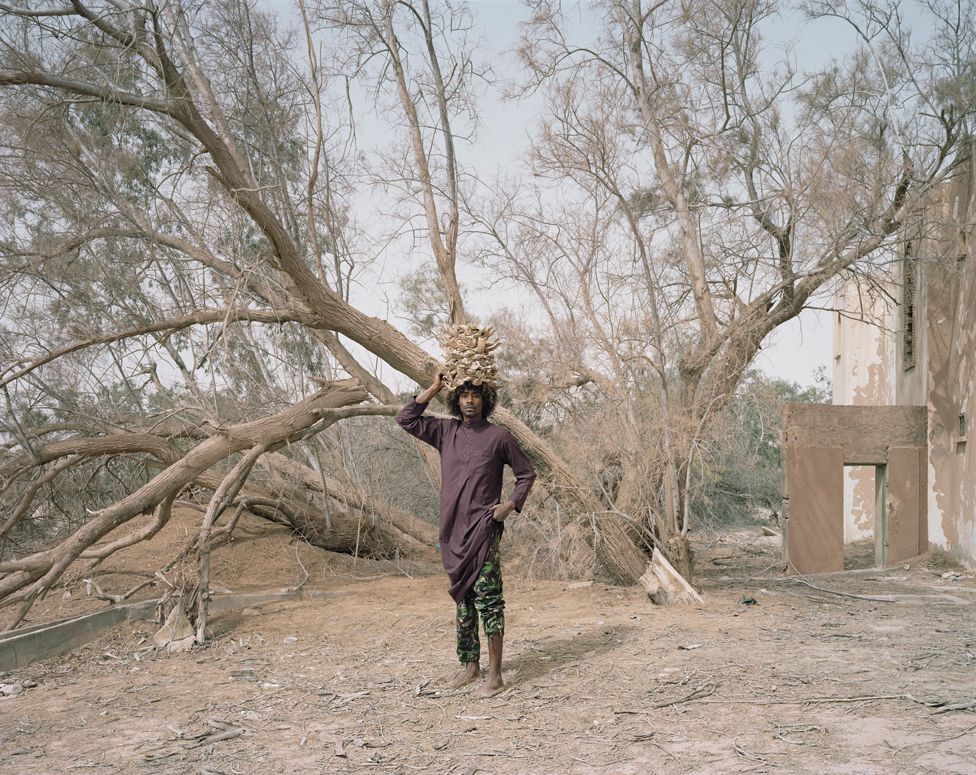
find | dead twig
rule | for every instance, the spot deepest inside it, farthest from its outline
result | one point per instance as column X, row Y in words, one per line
column 704, row 690
column 772, row 579
column 305, row 574
column 91, row 584
column 874, row 598
column 944, row 706
column 809, row 700
column 225, row 731
column 797, row 730
column 935, row 740
column 754, row 757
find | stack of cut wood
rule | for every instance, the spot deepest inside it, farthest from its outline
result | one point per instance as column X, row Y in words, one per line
column 468, row 356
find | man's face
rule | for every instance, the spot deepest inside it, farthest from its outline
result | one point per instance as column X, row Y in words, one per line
column 470, row 404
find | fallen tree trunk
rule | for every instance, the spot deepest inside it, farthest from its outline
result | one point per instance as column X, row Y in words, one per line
column 23, row 581
column 369, row 526
column 423, row 532
column 350, row 531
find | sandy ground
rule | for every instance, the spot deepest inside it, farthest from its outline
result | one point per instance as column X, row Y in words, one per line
column 769, row 675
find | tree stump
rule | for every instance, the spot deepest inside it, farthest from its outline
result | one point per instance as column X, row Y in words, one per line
column 664, row 585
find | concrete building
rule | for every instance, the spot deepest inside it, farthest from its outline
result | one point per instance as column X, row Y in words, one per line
column 909, row 339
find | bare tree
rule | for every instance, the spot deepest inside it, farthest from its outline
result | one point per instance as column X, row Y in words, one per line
column 178, row 255
column 703, row 192
column 405, row 51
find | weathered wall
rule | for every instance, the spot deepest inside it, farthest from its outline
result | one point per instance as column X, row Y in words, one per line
column 863, row 375
column 870, row 367
column 948, row 274
column 863, row 348
column 818, row 441
column 865, row 432
column 814, row 533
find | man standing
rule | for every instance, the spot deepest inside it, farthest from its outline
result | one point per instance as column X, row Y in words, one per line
column 472, row 515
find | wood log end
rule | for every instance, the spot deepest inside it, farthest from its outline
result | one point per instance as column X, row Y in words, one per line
column 664, row 585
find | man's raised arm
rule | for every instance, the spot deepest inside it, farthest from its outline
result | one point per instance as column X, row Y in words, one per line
column 411, row 419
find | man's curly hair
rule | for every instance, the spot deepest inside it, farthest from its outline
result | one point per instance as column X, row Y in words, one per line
column 489, row 397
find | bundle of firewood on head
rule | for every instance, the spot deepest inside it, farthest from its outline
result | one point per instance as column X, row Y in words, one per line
column 468, row 357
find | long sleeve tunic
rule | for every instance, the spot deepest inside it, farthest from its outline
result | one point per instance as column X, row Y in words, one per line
column 473, row 456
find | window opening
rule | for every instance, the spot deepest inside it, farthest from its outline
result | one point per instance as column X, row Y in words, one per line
column 908, row 305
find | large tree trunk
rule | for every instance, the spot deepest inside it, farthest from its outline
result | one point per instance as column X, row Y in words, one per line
column 367, row 528
column 424, row 533
column 680, row 555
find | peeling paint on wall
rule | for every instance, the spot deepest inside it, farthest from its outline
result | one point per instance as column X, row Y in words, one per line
column 949, row 276
column 870, row 368
column 858, row 503
column 862, row 377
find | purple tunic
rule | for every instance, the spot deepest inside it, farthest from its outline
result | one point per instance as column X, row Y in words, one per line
column 472, row 460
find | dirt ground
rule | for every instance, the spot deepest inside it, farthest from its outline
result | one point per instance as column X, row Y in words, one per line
column 769, row 675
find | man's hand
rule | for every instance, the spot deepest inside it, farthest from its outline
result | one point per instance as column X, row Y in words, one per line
column 435, row 387
column 501, row 510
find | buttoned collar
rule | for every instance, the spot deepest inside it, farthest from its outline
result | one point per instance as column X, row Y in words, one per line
column 474, row 423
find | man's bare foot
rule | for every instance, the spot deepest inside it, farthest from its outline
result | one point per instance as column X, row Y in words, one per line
column 490, row 687
column 466, row 675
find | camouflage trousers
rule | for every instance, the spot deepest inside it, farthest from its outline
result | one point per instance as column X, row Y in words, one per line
column 486, row 599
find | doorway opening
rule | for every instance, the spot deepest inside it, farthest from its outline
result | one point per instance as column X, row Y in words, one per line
column 864, row 515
